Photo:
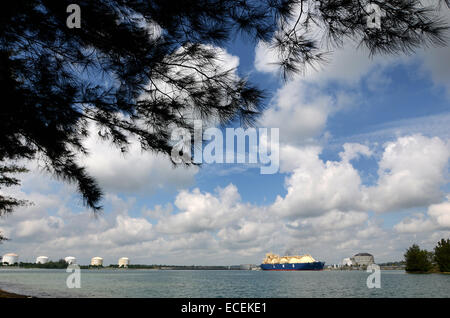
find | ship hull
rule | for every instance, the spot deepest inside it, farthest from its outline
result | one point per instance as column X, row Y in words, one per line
column 315, row 266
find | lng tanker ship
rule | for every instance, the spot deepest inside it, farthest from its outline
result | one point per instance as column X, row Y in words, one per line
column 273, row 262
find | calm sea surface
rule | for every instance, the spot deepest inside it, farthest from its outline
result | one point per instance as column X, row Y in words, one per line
column 212, row 284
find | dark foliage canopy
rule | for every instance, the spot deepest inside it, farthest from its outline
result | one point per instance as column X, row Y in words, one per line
column 138, row 68
column 7, row 203
column 442, row 255
column 418, row 260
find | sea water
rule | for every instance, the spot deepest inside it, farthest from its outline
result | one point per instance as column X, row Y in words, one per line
column 222, row 283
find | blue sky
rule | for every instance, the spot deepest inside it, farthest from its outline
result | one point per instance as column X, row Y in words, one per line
column 364, row 150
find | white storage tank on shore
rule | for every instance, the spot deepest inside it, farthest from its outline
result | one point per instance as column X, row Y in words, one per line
column 41, row 260
column 124, row 262
column 10, row 259
column 97, row 261
column 70, row 260
column 347, row 262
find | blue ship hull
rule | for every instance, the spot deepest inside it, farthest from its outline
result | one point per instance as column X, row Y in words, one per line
column 315, row 266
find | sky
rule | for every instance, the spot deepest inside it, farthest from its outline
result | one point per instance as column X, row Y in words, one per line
column 364, row 148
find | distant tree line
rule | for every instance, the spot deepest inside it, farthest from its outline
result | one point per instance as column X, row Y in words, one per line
column 393, row 264
column 60, row 264
column 423, row 261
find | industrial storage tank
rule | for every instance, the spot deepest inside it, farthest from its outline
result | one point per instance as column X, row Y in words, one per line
column 124, row 262
column 295, row 259
column 70, row 260
column 41, row 260
column 307, row 259
column 347, row 262
column 10, row 259
column 97, row 261
column 271, row 259
column 284, row 260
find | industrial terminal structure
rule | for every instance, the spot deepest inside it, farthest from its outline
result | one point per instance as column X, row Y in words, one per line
column 70, row 260
column 10, row 259
column 97, row 261
column 124, row 262
column 363, row 259
column 359, row 260
column 347, row 262
column 42, row 260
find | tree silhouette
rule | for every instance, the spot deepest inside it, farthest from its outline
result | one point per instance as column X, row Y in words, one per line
column 139, row 68
column 418, row 260
column 442, row 255
column 8, row 203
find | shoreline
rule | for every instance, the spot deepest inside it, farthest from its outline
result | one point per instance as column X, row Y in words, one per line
column 5, row 294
